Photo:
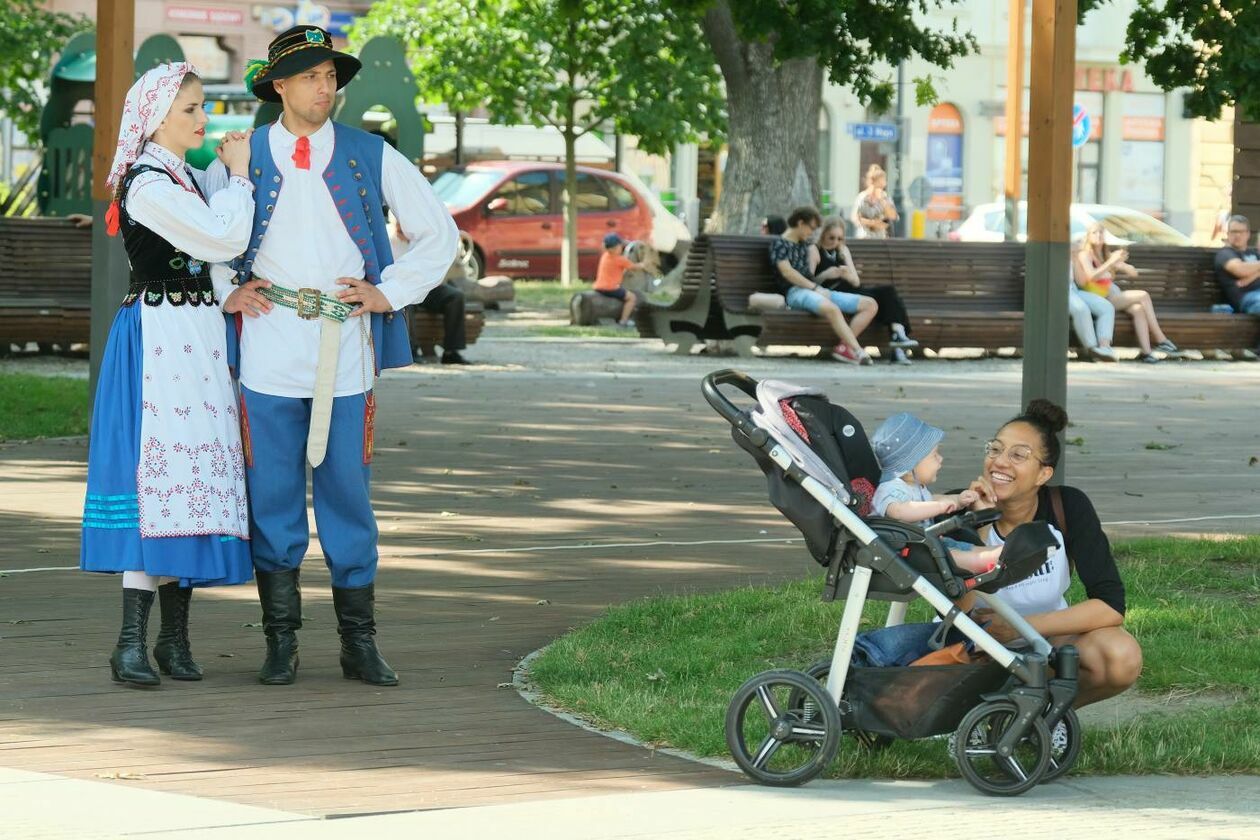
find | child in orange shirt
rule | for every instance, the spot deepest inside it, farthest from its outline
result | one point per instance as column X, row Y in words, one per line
column 613, row 264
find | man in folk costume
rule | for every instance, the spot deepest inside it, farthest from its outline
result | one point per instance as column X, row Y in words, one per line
column 321, row 296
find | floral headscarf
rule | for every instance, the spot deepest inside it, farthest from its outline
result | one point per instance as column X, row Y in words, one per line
column 146, row 105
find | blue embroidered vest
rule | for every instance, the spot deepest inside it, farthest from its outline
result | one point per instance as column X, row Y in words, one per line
column 353, row 177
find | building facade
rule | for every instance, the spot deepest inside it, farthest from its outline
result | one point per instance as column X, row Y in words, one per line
column 220, row 36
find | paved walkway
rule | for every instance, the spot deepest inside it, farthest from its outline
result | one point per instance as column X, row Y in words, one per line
column 516, row 499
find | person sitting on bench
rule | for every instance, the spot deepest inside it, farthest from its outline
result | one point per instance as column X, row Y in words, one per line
column 445, row 300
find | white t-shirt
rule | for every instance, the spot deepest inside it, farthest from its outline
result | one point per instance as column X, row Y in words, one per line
column 1043, row 590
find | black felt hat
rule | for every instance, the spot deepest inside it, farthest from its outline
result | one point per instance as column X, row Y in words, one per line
column 293, row 51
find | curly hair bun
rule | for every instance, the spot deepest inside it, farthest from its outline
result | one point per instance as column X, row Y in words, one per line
column 1051, row 414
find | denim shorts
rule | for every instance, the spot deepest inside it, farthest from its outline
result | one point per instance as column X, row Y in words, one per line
column 811, row 301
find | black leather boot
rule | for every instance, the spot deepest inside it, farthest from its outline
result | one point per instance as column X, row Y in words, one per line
column 172, row 649
column 129, row 663
column 281, row 597
column 360, row 660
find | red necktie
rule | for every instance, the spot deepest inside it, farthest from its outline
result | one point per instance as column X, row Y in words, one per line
column 302, row 153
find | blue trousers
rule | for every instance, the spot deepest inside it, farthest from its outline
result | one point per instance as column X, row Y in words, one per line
column 344, row 520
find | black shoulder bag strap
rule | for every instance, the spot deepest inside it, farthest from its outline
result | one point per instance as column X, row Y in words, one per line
column 1060, row 519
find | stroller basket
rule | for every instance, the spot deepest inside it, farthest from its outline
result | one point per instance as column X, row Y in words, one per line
column 918, row 701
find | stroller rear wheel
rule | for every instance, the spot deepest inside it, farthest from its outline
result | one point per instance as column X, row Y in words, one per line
column 1065, row 746
column 976, row 751
column 782, row 728
column 870, row 741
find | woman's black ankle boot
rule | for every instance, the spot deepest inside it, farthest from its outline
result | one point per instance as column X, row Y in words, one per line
column 129, row 662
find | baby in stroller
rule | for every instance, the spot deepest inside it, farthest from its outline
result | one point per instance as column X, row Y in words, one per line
column 784, row 727
column 908, row 451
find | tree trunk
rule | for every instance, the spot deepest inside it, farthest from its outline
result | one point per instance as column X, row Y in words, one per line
column 459, row 138
column 772, row 162
column 568, row 200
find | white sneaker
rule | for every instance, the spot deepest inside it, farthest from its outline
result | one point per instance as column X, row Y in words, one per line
column 1249, row 355
column 1103, row 354
column 865, row 359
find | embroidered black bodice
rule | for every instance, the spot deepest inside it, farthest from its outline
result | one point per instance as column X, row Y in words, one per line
column 159, row 270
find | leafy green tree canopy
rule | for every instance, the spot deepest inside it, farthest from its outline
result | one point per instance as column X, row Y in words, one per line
column 1211, row 47
column 640, row 66
column 29, row 36
column 854, row 41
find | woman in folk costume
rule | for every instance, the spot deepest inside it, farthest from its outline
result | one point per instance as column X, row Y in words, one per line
column 166, row 502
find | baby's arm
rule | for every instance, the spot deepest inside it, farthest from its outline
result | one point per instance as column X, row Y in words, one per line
column 917, row 511
column 965, row 499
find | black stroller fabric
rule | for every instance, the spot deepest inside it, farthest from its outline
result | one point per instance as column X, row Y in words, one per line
column 918, row 701
column 838, row 438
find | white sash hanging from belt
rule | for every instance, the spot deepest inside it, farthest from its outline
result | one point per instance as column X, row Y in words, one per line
column 311, row 304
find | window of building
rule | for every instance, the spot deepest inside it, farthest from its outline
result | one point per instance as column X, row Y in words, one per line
column 1142, row 152
column 1089, row 156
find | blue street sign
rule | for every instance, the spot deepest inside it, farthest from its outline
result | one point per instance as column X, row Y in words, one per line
column 1080, row 126
column 876, row 132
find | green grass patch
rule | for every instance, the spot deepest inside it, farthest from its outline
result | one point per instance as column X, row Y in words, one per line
column 42, row 406
column 664, row 669
column 546, row 295
column 565, row 331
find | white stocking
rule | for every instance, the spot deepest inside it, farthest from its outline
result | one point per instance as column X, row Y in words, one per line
column 139, row 580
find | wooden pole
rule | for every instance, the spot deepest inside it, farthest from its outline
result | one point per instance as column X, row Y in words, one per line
column 1014, row 118
column 115, row 46
column 1049, row 199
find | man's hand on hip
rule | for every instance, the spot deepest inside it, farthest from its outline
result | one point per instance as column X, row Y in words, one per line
column 248, row 300
column 365, row 296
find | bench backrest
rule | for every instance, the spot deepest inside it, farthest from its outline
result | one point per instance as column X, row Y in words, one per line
column 935, row 276
column 1178, row 279
column 46, row 258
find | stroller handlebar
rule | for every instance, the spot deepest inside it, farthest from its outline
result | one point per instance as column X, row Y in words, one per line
column 723, row 406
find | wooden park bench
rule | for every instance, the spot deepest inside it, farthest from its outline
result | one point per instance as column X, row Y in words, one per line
column 958, row 294
column 427, row 330
column 696, row 315
column 970, row 294
column 1182, row 285
column 45, row 282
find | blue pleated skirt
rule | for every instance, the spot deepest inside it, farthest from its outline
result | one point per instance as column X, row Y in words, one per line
column 111, row 529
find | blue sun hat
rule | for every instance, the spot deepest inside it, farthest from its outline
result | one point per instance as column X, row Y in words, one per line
column 901, row 442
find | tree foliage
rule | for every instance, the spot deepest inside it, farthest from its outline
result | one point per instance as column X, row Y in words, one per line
column 856, row 42
column 29, row 36
column 1211, row 47
column 637, row 66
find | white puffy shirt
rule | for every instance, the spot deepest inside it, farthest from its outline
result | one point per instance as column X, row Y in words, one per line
column 307, row 245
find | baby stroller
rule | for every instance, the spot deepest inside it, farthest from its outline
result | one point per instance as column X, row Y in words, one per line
column 784, row 727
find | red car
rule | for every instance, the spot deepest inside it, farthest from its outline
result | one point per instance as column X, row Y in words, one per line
column 511, row 209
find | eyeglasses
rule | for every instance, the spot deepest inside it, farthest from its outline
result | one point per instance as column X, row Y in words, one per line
column 1016, row 454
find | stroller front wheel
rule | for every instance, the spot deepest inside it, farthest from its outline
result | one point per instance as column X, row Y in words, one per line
column 782, row 728
column 1065, row 746
column 976, row 751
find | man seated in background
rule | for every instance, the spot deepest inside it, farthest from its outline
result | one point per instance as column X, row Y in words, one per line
column 1238, row 270
column 445, row 300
